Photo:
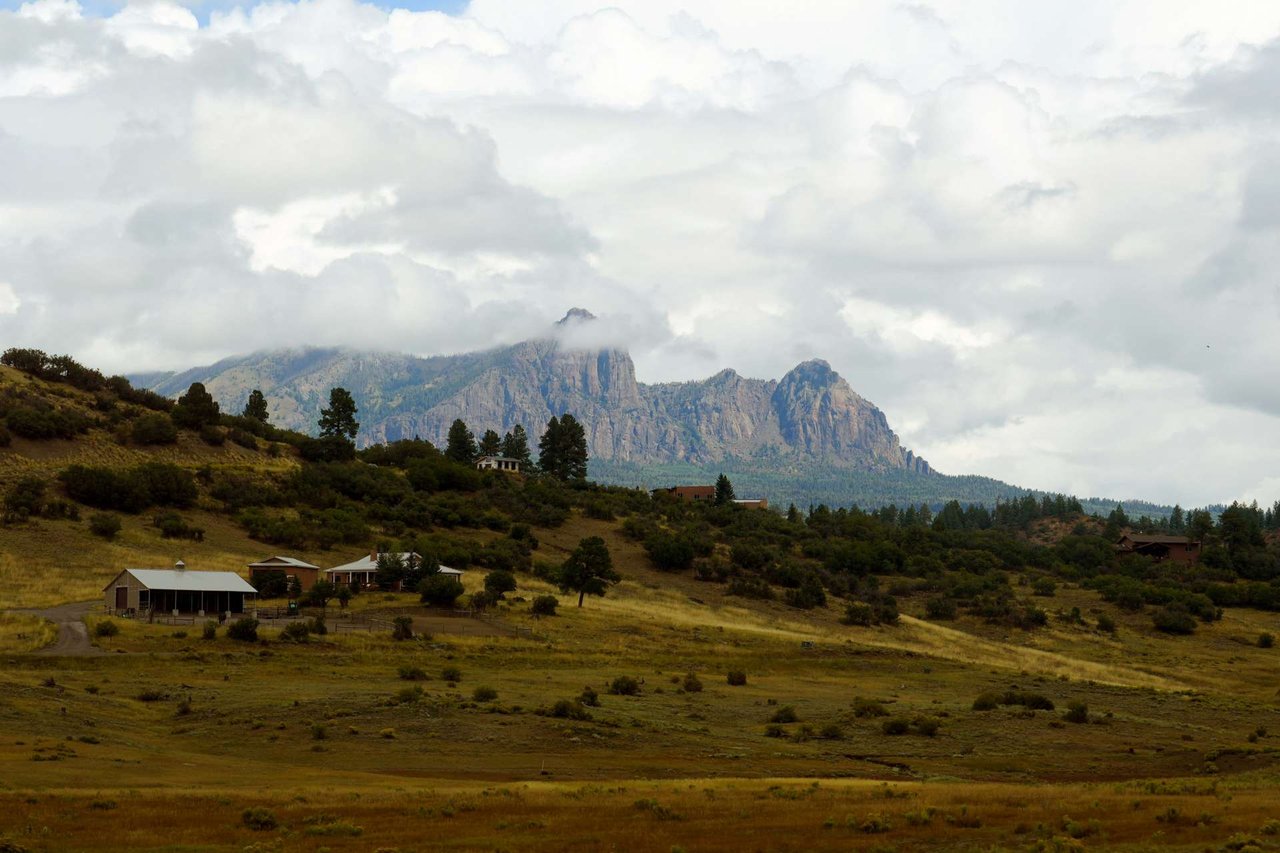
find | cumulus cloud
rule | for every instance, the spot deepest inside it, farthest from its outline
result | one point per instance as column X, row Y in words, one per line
column 1040, row 236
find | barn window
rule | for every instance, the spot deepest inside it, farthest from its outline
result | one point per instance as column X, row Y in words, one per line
column 144, row 599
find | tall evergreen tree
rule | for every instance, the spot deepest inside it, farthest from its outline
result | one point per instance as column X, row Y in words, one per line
column 461, row 445
column 515, row 445
column 573, row 449
column 339, row 419
column 256, row 408
column 549, row 447
column 1177, row 522
column 196, row 408
column 589, row 569
column 490, row 444
column 724, row 491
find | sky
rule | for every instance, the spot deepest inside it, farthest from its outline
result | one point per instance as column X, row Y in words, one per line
column 1042, row 237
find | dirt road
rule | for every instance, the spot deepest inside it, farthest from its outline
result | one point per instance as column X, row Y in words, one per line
column 73, row 636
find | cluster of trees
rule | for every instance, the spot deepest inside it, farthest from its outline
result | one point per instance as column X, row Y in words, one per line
column 66, row 370
column 562, row 450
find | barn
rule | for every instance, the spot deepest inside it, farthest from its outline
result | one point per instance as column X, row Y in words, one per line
column 177, row 590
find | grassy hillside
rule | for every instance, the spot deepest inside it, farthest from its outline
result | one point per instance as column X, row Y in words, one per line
column 477, row 737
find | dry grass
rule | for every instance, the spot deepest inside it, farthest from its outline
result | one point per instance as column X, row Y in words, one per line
column 21, row 632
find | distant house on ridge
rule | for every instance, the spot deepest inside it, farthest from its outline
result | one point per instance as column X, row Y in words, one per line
column 498, row 463
column 1178, row 548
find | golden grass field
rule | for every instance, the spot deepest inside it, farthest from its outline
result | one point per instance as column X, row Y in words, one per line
column 165, row 740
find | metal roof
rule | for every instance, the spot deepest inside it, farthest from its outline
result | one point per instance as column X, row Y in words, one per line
column 188, row 581
column 368, row 564
column 291, row 561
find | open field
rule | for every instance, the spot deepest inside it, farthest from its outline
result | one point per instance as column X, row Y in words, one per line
column 119, row 752
column 504, row 734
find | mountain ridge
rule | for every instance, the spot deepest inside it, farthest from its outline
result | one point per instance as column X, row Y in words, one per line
column 809, row 415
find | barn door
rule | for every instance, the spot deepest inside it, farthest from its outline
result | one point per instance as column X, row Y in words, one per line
column 122, row 598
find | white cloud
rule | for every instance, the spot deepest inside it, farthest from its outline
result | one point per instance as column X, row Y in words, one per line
column 1039, row 235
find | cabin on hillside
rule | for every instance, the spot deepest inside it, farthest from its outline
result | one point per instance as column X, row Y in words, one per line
column 363, row 573
column 498, row 463
column 178, row 590
column 298, row 574
column 1178, row 548
column 753, row 503
column 690, row 494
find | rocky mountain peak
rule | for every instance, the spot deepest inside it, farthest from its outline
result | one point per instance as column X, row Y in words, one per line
column 575, row 315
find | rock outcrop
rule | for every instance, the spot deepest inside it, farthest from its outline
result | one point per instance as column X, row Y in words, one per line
column 811, row 414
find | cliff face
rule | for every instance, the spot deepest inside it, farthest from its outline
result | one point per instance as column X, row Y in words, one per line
column 811, row 414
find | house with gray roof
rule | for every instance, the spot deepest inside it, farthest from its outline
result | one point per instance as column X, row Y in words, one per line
column 178, row 590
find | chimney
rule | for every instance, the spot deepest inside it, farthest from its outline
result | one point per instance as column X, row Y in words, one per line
column 180, row 566
column 373, row 555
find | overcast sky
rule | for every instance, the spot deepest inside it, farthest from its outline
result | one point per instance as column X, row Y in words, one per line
column 1043, row 237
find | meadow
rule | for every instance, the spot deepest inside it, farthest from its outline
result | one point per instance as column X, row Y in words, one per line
column 667, row 715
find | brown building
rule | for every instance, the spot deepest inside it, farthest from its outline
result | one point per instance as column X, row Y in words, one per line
column 755, row 503
column 295, row 570
column 690, row 494
column 1178, row 548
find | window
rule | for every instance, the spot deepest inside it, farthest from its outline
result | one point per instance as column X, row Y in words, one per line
column 144, row 599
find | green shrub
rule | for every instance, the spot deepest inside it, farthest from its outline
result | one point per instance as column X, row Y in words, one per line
column 484, row 694
column 104, row 524
column 986, row 702
column 1174, row 619
column 624, row 685
column 212, row 435
column 1266, row 640
column 692, row 684
column 927, row 726
column 1106, row 624
column 940, row 609
column 319, row 732
column 317, row 626
column 154, row 429
column 569, row 709
column 440, row 590
column 244, row 629
column 785, row 714
column 736, row 677
column 868, row 708
column 831, row 731
column 296, row 632
column 451, row 673
column 210, row 631
column 106, row 628
column 259, row 819
column 589, row 697
column 1032, row 701
column 774, row 730
column 1044, row 587
column 499, row 583
column 895, row 726
column 859, row 614
column 412, row 673
column 1077, row 712
column 402, row 628
column 544, row 605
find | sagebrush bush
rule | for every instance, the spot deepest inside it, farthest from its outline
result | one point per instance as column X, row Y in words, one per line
column 402, row 628
column 451, row 673
column 296, row 632
column 868, row 708
column 1266, row 640
column 589, row 697
column 104, row 524
column 412, row 673
column 569, row 709
column 484, row 694
column 259, row 819
column 785, row 714
column 624, row 685
column 692, row 684
column 736, row 677
column 244, row 629
column 106, row 628
column 210, row 630
column 1077, row 712
column 544, row 605
column 895, row 726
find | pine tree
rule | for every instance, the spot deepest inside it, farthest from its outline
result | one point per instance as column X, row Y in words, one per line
column 461, row 446
column 196, row 408
column 573, row 449
column 589, row 569
column 339, row 419
column 256, row 408
column 724, row 491
column 549, row 447
column 515, row 445
column 490, row 444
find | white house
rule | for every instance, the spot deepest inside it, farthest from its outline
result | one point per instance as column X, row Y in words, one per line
column 364, row 570
column 498, row 463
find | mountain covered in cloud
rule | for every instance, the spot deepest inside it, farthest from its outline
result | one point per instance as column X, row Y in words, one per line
column 810, row 415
